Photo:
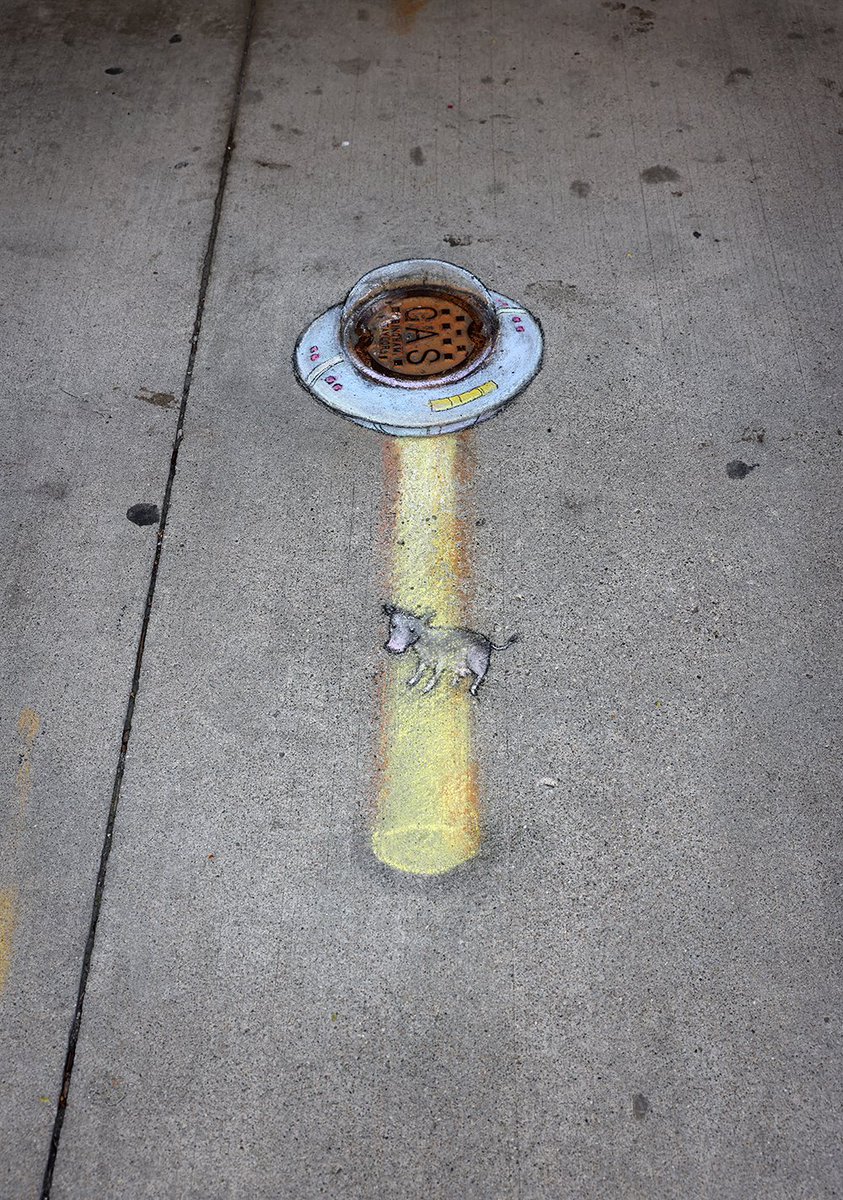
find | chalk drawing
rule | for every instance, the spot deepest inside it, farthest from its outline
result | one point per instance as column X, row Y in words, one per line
column 463, row 653
column 419, row 349
column 446, row 402
column 412, row 342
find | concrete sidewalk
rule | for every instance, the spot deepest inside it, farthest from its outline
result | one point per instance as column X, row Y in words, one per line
column 635, row 989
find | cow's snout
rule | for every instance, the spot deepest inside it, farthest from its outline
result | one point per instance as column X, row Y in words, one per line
column 394, row 647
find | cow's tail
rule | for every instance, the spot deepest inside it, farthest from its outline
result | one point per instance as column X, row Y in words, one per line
column 516, row 637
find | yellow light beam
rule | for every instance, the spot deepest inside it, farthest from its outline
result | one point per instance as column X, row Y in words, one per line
column 427, row 819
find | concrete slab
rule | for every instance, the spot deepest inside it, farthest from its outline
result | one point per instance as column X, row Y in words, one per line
column 107, row 184
column 634, row 989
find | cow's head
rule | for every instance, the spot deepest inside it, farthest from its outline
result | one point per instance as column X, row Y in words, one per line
column 405, row 628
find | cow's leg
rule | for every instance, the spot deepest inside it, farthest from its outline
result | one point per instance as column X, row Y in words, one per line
column 478, row 679
column 420, row 670
column 461, row 671
column 434, row 679
column 478, row 660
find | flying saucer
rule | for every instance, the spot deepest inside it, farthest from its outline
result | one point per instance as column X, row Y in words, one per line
column 419, row 348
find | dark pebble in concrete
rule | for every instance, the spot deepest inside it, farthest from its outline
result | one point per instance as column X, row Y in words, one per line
column 144, row 514
column 738, row 469
column 659, row 174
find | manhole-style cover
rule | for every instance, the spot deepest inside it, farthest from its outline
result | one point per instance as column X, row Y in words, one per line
column 419, row 347
column 419, row 334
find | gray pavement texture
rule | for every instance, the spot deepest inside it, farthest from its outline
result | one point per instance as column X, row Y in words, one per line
column 635, row 990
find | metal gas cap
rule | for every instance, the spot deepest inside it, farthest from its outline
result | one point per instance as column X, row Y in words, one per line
column 419, row 348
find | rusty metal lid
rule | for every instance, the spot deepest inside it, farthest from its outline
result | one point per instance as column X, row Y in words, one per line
column 419, row 333
column 417, row 322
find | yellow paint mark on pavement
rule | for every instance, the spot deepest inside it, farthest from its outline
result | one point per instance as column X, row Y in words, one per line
column 8, row 921
column 406, row 11
column 427, row 819
column 29, row 725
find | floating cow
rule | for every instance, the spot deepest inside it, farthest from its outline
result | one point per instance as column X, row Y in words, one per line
column 439, row 649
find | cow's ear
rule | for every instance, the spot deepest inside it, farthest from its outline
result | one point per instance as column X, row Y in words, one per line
column 389, row 609
column 428, row 616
